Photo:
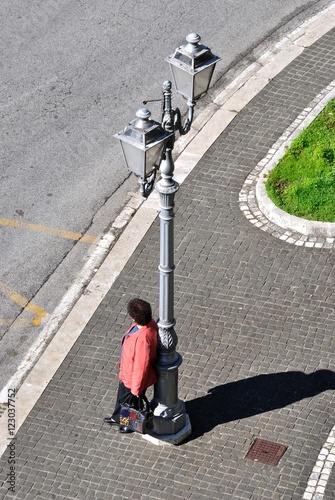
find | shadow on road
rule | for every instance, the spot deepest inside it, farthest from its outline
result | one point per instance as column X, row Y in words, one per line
column 254, row 395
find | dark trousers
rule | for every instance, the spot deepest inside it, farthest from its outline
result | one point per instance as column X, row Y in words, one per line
column 121, row 393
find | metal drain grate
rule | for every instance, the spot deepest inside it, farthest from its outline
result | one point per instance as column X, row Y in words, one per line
column 266, row 452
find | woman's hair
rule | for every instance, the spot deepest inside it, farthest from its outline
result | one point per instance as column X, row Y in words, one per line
column 140, row 311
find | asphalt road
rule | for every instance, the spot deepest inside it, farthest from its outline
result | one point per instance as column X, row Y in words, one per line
column 73, row 73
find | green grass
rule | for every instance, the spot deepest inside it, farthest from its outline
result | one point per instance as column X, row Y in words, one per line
column 303, row 181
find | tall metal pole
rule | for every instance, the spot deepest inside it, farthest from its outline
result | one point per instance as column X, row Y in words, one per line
column 171, row 422
column 143, row 143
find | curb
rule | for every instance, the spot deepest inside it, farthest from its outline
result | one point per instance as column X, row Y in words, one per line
column 262, row 212
column 98, row 253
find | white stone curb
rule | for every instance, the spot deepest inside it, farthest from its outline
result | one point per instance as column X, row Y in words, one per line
column 98, row 253
column 262, row 212
column 319, row 477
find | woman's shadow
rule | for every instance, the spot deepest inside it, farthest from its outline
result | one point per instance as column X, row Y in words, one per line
column 255, row 395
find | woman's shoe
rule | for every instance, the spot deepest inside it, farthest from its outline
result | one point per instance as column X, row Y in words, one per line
column 125, row 430
column 110, row 421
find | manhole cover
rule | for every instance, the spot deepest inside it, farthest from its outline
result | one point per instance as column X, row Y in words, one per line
column 266, row 452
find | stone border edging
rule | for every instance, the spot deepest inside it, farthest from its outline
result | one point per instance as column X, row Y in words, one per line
column 262, row 212
column 319, row 477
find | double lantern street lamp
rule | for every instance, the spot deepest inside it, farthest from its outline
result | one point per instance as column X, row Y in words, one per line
column 147, row 147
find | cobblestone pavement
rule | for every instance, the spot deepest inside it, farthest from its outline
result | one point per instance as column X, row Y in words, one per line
column 255, row 320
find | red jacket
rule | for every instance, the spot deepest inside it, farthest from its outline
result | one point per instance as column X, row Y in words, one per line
column 139, row 351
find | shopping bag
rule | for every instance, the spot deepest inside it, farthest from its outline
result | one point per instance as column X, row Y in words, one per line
column 136, row 414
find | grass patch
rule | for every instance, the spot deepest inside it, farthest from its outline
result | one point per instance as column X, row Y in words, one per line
column 303, row 181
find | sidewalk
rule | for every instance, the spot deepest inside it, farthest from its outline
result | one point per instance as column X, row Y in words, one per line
column 255, row 320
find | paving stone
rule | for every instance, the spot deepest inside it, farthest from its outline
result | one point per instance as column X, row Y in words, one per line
column 255, row 321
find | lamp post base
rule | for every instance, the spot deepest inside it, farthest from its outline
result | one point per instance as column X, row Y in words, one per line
column 171, row 422
column 173, row 438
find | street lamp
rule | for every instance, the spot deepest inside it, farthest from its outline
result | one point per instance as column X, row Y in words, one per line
column 147, row 146
column 143, row 142
column 192, row 66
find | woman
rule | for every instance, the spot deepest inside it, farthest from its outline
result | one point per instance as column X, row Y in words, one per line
column 138, row 354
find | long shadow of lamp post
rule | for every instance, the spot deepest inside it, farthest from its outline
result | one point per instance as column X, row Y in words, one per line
column 147, row 147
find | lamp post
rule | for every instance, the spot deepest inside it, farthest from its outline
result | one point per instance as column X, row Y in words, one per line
column 147, row 146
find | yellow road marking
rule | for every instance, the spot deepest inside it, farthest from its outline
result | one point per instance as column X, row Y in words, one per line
column 37, row 312
column 43, row 229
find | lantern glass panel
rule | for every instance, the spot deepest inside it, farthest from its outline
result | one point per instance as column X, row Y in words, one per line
column 134, row 158
column 202, row 81
column 183, row 81
column 153, row 156
column 136, row 135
